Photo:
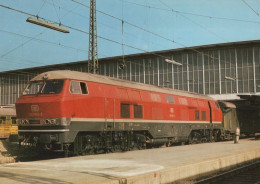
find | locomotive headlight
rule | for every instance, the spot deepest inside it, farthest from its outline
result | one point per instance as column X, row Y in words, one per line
column 57, row 121
column 53, row 121
column 47, row 121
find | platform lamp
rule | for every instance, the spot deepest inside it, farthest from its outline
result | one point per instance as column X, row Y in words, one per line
column 47, row 25
column 173, row 62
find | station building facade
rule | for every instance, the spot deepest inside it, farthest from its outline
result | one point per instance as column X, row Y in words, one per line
column 222, row 71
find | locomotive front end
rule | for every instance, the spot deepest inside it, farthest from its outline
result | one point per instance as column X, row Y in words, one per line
column 41, row 118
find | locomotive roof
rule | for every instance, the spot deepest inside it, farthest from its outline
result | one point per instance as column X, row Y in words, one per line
column 68, row 74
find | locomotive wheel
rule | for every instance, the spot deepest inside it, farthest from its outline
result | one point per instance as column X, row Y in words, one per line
column 214, row 137
column 194, row 138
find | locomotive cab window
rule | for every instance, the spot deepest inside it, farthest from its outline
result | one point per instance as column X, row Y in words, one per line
column 138, row 111
column 33, row 88
column 52, row 87
column 77, row 87
column 125, row 110
column 44, row 87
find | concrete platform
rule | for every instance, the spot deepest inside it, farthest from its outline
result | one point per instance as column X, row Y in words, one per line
column 162, row 165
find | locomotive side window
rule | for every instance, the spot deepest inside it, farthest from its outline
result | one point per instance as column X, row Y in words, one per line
column 197, row 115
column 125, row 110
column 170, row 99
column 203, row 115
column 83, row 88
column 77, row 87
column 138, row 111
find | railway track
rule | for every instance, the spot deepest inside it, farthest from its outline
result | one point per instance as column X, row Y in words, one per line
column 248, row 174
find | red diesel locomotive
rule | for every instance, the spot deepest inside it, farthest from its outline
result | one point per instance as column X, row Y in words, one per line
column 83, row 113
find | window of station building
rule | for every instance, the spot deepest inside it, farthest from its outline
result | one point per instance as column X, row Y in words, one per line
column 203, row 115
column 170, row 99
column 138, row 111
column 125, row 110
column 77, row 87
column 197, row 115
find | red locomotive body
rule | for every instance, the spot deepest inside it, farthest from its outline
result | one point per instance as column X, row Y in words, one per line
column 81, row 112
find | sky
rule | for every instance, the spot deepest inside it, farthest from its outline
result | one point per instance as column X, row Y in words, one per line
column 123, row 27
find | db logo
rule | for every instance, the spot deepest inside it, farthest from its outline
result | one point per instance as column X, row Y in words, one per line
column 34, row 108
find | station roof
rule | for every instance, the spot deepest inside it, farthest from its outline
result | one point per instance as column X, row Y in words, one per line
column 142, row 55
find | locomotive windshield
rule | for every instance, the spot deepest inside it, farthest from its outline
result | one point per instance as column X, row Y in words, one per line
column 44, row 87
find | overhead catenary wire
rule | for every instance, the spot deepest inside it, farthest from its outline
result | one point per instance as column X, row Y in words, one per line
column 152, row 32
column 107, row 38
column 142, row 50
column 127, row 22
column 56, row 11
column 152, row 53
column 70, row 26
column 251, row 8
column 79, row 30
column 201, row 26
column 41, row 40
column 76, row 13
column 194, row 14
column 32, row 38
column 41, row 7
column 171, row 10
column 123, row 53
